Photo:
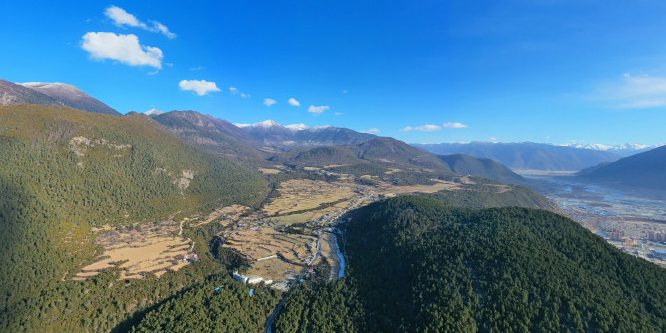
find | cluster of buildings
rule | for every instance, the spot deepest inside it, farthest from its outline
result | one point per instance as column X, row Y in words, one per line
column 252, row 279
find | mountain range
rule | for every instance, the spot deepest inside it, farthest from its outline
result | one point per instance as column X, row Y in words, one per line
column 624, row 150
column 67, row 175
column 644, row 170
column 51, row 94
column 527, row 155
column 273, row 134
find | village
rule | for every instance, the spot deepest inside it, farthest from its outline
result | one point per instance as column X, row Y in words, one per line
column 282, row 241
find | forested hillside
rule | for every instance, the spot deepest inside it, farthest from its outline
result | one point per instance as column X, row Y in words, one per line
column 488, row 193
column 482, row 167
column 64, row 171
column 419, row 265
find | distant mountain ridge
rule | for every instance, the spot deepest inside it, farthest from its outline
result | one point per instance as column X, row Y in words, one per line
column 273, row 134
column 644, row 170
column 58, row 94
column 527, row 155
column 211, row 133
column 483, row 167
column 624, row 150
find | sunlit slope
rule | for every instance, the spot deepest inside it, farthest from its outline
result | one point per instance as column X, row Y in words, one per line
column 63, row 170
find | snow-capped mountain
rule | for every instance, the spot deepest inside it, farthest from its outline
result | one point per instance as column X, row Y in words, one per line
column 153, row 112
column 271, row 133
column 51, row 94
column 625, row 149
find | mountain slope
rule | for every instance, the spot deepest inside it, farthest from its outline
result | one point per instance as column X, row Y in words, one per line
column 64, row 171
column 391, row 151
column 527, row 155
column 418, row 265
column 12, row 94
column 482, row 167
column 644, row 170
column 51, row 94
column 71, row 96
column 211, row 133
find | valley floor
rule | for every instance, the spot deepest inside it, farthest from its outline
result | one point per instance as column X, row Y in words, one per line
column 629, row 219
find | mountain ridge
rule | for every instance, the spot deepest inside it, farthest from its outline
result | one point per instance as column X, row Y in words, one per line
column 527, row 155
column 51, row 94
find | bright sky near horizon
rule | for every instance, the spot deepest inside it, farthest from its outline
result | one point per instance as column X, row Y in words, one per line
column 420, row 71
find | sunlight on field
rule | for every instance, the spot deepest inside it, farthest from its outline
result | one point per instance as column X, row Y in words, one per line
column 269, row 171
column 296, row 195
column 390, row 190
column 149, row 249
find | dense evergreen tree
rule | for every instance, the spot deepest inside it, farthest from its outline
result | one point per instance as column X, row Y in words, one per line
column 419, row 265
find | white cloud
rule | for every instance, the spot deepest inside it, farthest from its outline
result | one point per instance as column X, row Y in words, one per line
column 122, row 18
column 430, row 127
column 161, row 28
column 492, row 138
column 453, row 125
column 197, row 68
column 318, row 109
column 269, row 101
column 123, row 48
column 294, row 102
column 338, row 113
column 235, row 91
column 201, row 87
column 635, row 92
column 371, row 130
column 344, row 91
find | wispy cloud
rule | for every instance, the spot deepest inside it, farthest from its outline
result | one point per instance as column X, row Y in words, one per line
column 161, row 28
column 269, row 101
column 201, row 87
column 123, row 19
column 634, row 92
column 123, row 48
column 453, row 125
column 198, row 68
column 371, row 130
column 318, row 109
column 293, row 102
column 344, row 91
column 338, row 113
column 430, row 127
column 235, row 91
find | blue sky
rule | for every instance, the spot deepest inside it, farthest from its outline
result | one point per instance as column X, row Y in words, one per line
column 419, row 71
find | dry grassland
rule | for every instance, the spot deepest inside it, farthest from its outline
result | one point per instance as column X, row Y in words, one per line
column 264, row 242
column 229, row 214
column 302, row 194
column 149, row 249
column 390, row 190
column 269, row 171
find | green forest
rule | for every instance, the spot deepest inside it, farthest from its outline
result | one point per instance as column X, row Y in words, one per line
column 64, row 171
column 419, row 265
